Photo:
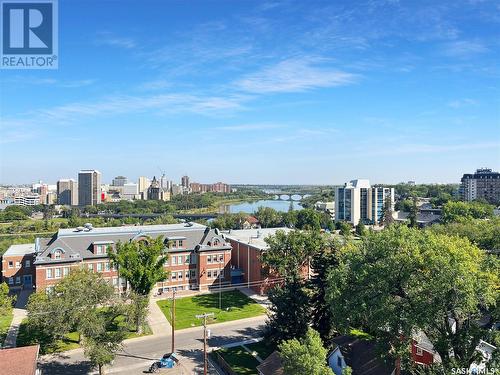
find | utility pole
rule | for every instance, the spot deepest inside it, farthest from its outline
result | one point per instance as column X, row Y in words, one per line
column 204, row 317
column 173, row 319
column 220, row 289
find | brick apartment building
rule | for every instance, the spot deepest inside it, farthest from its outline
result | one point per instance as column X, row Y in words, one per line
column 199, row 257
column 248, row 245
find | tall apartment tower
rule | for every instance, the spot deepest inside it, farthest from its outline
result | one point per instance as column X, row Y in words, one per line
column 67, row 192
column 484, row 184
column 119, row 181
column 143, row 183
column 185, row 182
column 89, row 187
column 357, row 201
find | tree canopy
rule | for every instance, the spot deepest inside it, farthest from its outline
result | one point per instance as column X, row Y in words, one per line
column 305, row 356
column 402, row 280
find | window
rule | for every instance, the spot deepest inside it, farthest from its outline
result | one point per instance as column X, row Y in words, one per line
column 90, row 266
column 57, row 254
column 18, row 280
column 180, row 243
column 11, row 280
column 48, row 273
column 221, row 258
column 115, row 281
column 106, row 266
column 11, row 264
column 27, row 264
column 339, row 361
column 100, row 249
column 188, row 259
column 209, row 274
column 192, row 274
column 99, row 267
column 216, row 242
column 209, row 259
column 419, row 351
column 18, row 264
column 179, row 259
column 221, row 274
column 214, row 273
column 57, row 273
column 173, row 243
column 179, row 275
column 65, row 271
column 193, row 259
column 174, row 276
column 187, row 275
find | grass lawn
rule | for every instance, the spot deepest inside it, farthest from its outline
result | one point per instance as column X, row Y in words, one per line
column 263, row 348
column 235, row 305
column 5, row 321
column 240, row 360
column 70, row 341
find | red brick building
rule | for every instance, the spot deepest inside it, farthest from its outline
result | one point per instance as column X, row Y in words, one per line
column 199, row 257
column 248, row 245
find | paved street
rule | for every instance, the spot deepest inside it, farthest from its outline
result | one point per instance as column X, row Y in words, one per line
column 139, row 353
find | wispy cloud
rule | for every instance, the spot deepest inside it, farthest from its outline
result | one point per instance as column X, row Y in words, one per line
column 295, row 75
column 249, row 127
column 106, row 38
column 459, row 103
column 22, row 80
column 464, row 48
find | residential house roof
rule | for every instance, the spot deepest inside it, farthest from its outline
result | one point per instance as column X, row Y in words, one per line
column 272, row 365
column 19, row 361
column 361, row 356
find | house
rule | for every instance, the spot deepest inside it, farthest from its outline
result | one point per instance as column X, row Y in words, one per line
column 272, row 365
column 20, row 361
column 359, row 354
column 248, row 245
column 199, row 257
column 422, row 350
column 251, row 222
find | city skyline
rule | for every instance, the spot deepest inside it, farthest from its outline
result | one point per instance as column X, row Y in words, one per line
column 264, row 92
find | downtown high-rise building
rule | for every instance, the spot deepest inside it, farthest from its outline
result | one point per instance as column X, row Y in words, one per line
column 357, row 202
column 185, row 182
column 119, row 181
column 143, row 184
column 89, row 187
column 482, row 185
column 67, row 192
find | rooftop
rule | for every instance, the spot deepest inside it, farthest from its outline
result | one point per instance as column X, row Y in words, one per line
column 129, row 229
column 23, row 249
column 19, row 361
column 255, row 237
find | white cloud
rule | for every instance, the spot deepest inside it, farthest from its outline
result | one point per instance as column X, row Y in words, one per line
column 106, row 38
column 462, row 103
column 294, row 75
column 464, row 48
column 249, row 127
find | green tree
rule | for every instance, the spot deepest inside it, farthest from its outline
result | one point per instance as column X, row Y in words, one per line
column 413, row 213
column 402, row 280
column 268, row 217
column 290, row 313
column 345, row 229
column 305, row 356
column 387, row 218
column 101, row 347
column 308, row 219
column 361, row 230
column 142, row 264
column 324, row 259
column 289, row 252
column 463, row 211
column 6, row 301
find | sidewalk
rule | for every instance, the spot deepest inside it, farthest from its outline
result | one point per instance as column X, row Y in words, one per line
column 261, row 300
column 156, row 319
column 19, row 314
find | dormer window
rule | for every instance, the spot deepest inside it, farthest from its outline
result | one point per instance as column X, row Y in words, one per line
column 101, row 247
column 216, row 242
column 57, row 254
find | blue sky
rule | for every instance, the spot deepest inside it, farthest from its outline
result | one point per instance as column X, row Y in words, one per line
column 316, row 92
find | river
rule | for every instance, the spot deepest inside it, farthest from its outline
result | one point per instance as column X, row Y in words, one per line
column 251, row 207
